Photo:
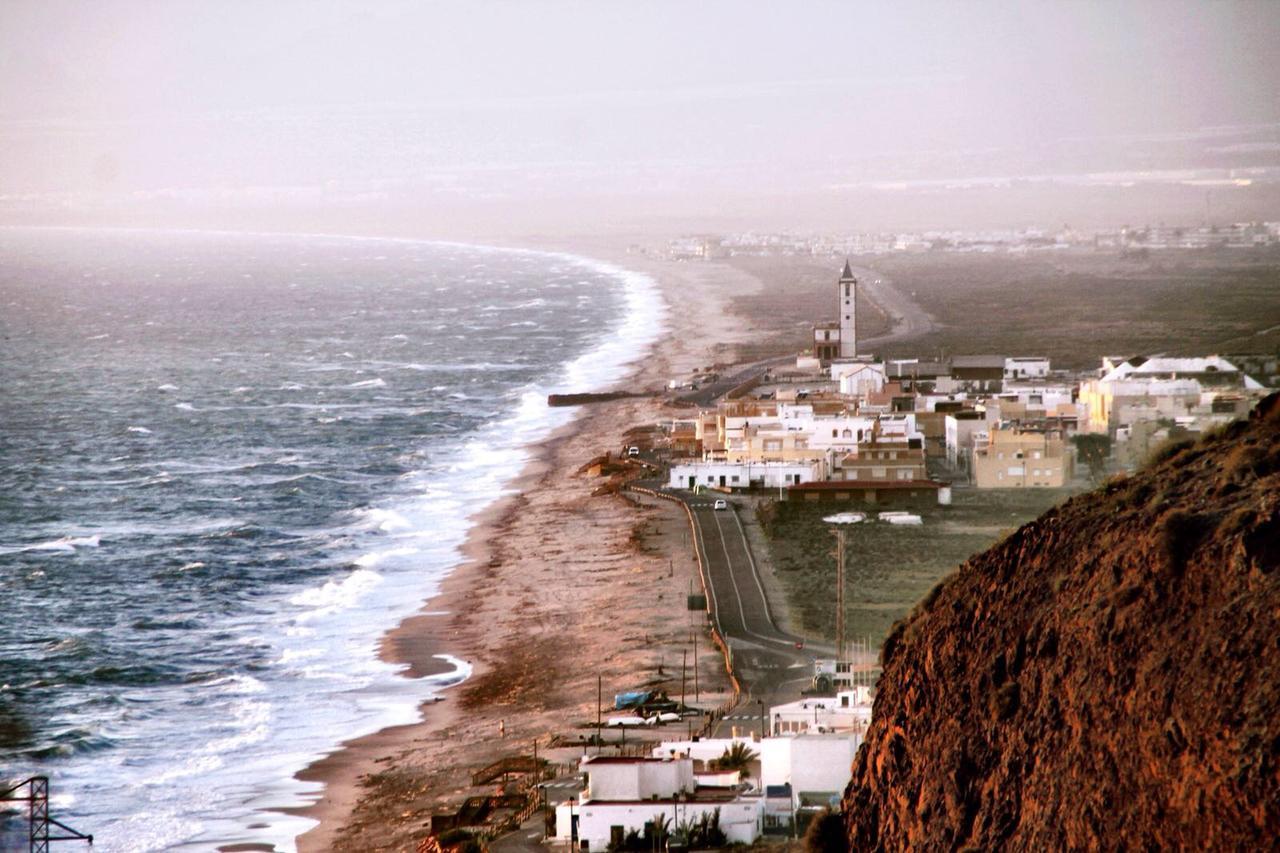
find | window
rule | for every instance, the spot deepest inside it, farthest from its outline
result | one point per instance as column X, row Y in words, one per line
column 878, row 473
column 735, row 478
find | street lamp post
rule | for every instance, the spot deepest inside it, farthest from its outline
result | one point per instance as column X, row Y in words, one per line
column 839, row 522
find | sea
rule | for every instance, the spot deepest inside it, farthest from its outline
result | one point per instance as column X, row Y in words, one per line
column 228, row 464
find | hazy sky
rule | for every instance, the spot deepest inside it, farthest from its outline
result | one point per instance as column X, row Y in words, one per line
column 526, row 99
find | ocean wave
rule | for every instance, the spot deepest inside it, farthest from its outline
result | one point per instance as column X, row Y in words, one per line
column 337, row 594
column 386, row 520
column 368, row 561
column 64, row 545
column 369, row 383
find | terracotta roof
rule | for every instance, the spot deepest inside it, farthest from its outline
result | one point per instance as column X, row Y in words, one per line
column 862, row 485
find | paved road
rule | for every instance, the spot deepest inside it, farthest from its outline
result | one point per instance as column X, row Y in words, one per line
column 770, row 666
column 708, row 394
column 909, row 319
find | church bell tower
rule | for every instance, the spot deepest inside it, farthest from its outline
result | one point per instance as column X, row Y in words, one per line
column 848, row 299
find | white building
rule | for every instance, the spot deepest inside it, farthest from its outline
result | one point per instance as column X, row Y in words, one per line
column 625, row 793
column 840, row 339
column 1021, row 368
column 808, row 767
column 746, row 475
column 817, row 767
column 962, row 430
column 1161, row 388
column 848, row 712
column 859, row 378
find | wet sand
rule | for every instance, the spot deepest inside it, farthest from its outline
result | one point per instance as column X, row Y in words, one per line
column 563, row 581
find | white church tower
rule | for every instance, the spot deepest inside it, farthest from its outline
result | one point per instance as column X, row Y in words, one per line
column 848, row 290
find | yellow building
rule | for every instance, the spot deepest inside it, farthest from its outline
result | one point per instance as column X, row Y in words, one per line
column 1013, row 458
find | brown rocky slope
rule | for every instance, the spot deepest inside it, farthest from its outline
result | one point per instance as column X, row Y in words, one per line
column 1108, row 677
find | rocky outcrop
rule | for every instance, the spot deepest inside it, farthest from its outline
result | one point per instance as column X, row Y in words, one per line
column 1108, row 677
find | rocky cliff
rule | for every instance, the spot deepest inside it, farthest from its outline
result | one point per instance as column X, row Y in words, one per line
column 1106, row 677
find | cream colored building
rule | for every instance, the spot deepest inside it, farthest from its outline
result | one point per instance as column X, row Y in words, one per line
column 1160, row 388
column 1010, row 458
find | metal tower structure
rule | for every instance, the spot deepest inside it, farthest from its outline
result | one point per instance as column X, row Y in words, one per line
column 40, row 824
column 839, row 523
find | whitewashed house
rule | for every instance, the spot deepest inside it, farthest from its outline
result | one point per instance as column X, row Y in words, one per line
column 625, row 793
column 848, row 712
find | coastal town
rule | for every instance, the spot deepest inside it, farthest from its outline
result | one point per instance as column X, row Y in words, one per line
column 1130, row 240
column 868, row 441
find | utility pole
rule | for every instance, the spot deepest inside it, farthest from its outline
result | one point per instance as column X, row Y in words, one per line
column 696, row 696
column 840, row 521
column 684, row 662
column 839, row 593
column 599, row 699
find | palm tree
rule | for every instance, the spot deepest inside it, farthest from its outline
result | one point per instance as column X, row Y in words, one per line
column 735, row 757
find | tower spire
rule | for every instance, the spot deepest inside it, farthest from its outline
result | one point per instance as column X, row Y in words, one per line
column 847, row 288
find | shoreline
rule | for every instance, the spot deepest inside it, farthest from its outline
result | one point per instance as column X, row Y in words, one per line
column 462, row 724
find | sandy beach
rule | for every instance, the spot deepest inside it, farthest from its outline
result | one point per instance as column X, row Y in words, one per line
column 563, row 582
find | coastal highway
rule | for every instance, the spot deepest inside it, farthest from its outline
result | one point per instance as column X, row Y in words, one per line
column 772, row 665
column 909, row 319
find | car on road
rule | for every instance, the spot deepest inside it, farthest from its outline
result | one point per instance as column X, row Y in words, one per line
column 720, row 503
column 633, row 451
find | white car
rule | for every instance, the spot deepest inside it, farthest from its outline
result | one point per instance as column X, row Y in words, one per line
column 720, row 503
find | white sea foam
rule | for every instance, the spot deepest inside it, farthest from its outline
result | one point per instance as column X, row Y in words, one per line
column 65, row 545
column 139, row 430
column 186, row 407
column 369, row 383
column 370, row 560
column 378, row 518
column 167, row 387
column 338, row 594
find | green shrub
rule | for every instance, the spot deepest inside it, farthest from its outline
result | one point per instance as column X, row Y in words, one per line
column 826, row 834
